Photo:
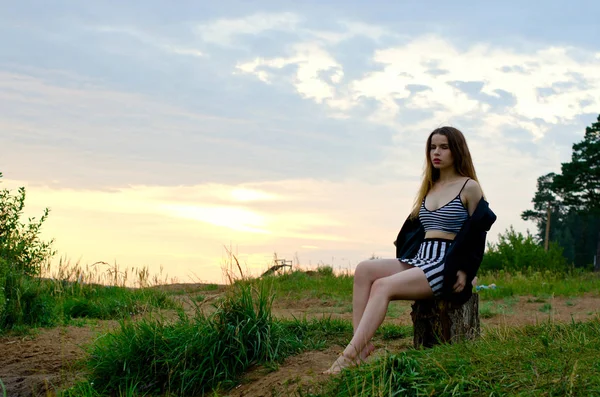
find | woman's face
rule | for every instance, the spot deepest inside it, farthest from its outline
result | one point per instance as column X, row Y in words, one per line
column 439, row 152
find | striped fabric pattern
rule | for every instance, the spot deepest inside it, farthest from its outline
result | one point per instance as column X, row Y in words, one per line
column 430, row 259
column 448, row 218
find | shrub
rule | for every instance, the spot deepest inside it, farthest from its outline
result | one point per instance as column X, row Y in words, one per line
column 517, row 252
column 20, row 245
column 326, row 271
column 22, row 255
column 3, row 274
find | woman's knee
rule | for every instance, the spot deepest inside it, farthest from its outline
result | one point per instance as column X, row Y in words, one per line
column 363, row 271
column 380, row 287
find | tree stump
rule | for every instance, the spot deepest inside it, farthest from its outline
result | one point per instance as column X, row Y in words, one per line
column 437, row 321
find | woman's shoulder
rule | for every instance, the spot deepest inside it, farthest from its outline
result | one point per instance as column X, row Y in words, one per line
column 472, row 190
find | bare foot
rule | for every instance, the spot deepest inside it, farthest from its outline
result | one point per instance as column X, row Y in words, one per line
column 366, row 352
column 339, row 364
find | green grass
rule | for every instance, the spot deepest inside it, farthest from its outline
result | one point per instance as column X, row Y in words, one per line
column 487, row 310
column 396, row 309
column 326, row 286
column 204, row 353
column 41, row 302
column 209, row 287
column 199, row 298
column 322, row 284
column 539, row 284
column 393, row 331
column 548, row 359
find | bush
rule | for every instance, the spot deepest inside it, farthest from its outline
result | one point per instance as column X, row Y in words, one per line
column 3, row 274
column 22, row 255
column 515, row 252
column 20, row 245
column 326, row 271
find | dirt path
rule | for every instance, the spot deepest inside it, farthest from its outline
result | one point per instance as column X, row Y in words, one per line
column 38, row 364
column 47, row 360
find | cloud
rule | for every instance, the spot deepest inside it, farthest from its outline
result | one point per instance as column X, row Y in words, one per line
column 148, row 39
column 312, row 63
column 83, row 132
column 228, row 32
column 225, row 31
column 475, row 81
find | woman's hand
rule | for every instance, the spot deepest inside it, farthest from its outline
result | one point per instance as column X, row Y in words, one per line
column 461, row 280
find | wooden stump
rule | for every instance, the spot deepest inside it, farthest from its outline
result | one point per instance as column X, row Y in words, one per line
column 438, row 321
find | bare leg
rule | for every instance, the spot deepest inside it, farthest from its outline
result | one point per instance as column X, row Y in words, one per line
column 365, row 274
column 410, row 284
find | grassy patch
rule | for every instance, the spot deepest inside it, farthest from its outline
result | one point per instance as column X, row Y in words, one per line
column 487, row 310
column 322, row 284
column 396, row 309
column 76, row 293
column 199, row 298
column 571, row 302
column 548, row 359
column 46, row 303
column 106, row 302
column 209, row 287
column 538, row 284
column 205, row 353
column 393, row 331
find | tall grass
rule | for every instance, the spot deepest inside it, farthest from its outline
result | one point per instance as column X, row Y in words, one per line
column 202, row 353
column 70, row 292
column 547, row 359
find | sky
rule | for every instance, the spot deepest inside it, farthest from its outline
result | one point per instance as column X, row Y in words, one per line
column 167, row 134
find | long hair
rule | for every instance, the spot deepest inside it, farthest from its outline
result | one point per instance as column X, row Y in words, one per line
column 463, row 164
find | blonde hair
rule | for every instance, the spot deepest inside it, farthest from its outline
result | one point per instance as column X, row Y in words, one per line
column 463, row 164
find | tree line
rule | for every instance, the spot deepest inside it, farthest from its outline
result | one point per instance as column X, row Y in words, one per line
column 566, row 205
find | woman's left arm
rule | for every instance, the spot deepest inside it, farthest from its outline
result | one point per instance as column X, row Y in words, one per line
column 472, row 194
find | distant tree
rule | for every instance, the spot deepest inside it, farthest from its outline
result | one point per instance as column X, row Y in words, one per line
column 544, row 198
column 573, row 197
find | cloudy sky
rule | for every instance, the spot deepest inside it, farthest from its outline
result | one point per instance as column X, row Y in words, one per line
column 159, row 132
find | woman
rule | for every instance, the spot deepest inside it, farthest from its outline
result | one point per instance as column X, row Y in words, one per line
column 438, row 250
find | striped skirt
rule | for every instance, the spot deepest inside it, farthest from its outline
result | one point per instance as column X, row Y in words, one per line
column 430, row 259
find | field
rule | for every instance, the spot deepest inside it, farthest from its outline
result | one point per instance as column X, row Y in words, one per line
column 541, row 336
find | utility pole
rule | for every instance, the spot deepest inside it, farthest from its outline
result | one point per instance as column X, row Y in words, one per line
column 549, row 212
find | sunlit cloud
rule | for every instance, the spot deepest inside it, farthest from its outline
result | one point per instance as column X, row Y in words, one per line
column 234, row 218
column 244, row 194
column 521, row 90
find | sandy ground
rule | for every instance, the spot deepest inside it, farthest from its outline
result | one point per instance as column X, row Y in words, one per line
column 50, row 359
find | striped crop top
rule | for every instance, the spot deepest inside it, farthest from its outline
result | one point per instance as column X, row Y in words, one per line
column 448, row 218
